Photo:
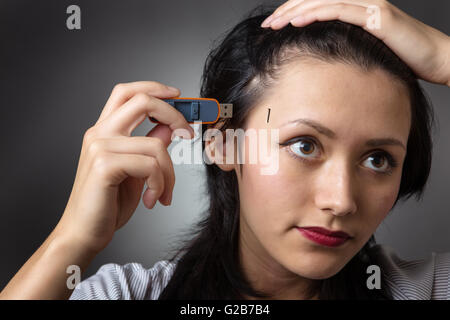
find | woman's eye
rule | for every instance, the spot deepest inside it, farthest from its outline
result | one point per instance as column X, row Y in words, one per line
column 378, row 162
column 304, row 148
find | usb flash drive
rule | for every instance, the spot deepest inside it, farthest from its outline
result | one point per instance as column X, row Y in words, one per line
column 204, row 110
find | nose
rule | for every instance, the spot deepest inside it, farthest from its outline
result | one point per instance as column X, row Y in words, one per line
column 335, row 189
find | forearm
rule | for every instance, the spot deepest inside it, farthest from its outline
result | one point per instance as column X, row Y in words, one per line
column 44, row 275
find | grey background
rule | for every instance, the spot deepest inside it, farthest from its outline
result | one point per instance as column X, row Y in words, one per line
column 53, row 86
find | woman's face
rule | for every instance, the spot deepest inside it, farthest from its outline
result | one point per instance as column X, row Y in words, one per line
column 336, row 172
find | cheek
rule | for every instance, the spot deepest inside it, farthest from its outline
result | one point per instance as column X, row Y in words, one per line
column 263, row 202
column 379, row 202
column 265, row 187
column 386, row 202
column 263, row 190
column 272, row 202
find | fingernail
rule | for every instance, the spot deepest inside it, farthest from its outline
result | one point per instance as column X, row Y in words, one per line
column 267, row 21
column 172, row 88
column 168, row 200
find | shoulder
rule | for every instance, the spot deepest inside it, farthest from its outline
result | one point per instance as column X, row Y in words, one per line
column 427, row 278
column 131, row 281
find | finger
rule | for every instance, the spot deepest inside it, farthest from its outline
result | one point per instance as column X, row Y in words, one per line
column 307, row 6
column 280, row 11
column 354, row 14
column 122, row 92
column 130, row 115
column 163, row 132
column 149, row 146
column 283, row 18
column 116, row 167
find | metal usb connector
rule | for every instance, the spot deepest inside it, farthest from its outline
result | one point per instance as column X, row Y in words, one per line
column 226, row 110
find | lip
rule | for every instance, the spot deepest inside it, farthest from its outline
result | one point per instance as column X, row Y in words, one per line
column 324, row 236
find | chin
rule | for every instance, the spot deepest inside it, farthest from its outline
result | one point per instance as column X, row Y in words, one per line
column 319, row 274
column 318, row 268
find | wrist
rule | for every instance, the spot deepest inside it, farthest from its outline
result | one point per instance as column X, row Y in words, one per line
column 63, row 239
column 444, row 49
column 70, row 250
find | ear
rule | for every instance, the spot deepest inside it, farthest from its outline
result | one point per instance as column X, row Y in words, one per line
column 215, row 149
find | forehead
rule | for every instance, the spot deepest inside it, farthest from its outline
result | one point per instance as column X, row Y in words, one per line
column 343, row 97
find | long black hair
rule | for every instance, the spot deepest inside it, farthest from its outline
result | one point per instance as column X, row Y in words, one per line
column 208, row 262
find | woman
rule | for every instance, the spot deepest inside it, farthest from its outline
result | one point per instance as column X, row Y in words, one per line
column 354, row 138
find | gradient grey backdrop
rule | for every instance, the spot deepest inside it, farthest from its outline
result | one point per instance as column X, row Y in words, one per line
column 54, row 83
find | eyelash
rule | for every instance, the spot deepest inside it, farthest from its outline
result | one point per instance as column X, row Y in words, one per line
column 390, row 159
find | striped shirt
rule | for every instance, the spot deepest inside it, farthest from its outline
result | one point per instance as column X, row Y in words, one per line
column 423, row 279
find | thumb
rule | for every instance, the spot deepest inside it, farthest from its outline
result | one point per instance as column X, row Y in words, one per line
column 161, row 131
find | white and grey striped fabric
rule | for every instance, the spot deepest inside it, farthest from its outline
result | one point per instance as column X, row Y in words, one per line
column 131, row 281
column 423, row 279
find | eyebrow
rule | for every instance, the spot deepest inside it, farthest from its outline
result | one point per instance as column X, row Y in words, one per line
column 331, row 134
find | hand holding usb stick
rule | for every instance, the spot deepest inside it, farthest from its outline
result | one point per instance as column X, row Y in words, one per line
column 200, row 110
column 112, row 172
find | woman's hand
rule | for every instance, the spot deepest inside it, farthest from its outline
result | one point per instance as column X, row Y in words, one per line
column 425, row 49
column 114, row 166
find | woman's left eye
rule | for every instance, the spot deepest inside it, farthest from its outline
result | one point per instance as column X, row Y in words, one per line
column 380, row 162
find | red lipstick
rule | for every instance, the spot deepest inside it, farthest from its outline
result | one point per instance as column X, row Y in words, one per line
column 324, row 236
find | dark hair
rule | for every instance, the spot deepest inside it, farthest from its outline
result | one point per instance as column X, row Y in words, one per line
column 209, row 265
